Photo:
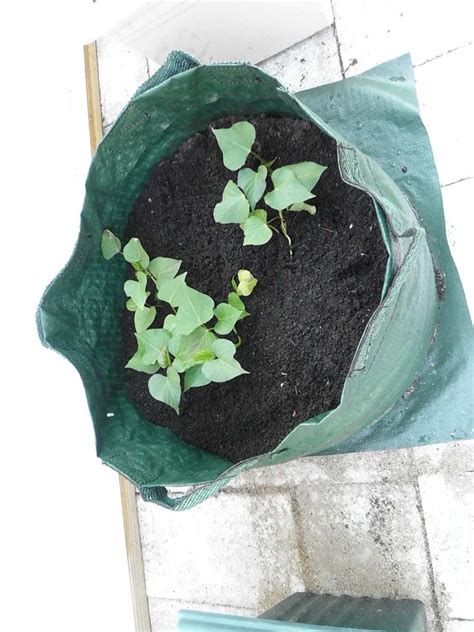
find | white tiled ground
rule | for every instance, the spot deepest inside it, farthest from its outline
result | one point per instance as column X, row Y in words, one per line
column 392, row 524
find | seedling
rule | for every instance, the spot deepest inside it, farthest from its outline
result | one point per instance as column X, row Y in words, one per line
column 188, row 342
column 292, row 187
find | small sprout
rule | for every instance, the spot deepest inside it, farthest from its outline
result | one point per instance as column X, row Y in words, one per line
column 166, row 389
column 225, row 366
column 234, row 207
column 247, row 282
column 110, row 244
column 185, row 343
column 235, row 143
column 292, row 187
column 253, row 184
column 256, row 229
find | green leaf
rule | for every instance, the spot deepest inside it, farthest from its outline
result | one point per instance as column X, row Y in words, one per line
column 235, row 143
column 246, row 283
column 151, row 342
column 130, row 305
column 253, row 184
column 169, row 323
column 171, row 291
column 136, row 363
column 164, row 359
column 164, row 269
column 236, row 302
column 234, row 208
column 256, row 229
column 194, row 309
column 302, row 206
column 225, row 367
column 202, row 356
column 186, row 349
column 136, row 290
column 194, row 377
column 166, row 389
column 144, row 318
column 226, row 316
column 308, row 173
column 135, row 253
column 288, row 190
column 110, row 244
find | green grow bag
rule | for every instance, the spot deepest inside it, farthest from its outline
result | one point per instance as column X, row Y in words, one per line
column 79, row 312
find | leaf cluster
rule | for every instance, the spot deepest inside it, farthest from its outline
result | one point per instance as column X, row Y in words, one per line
column 188, row 342
column 292, row 187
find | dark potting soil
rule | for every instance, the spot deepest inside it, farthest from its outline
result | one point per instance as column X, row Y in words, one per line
column 308, row 312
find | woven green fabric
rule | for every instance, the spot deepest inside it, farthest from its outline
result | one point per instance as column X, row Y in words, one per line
column 79, row 312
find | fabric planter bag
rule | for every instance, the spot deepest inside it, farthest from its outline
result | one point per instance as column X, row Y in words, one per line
column 79, row 313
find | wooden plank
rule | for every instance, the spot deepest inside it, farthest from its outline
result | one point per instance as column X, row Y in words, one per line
column 127, row 489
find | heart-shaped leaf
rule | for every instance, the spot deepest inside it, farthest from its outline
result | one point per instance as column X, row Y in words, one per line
column 246, row 283
column 136, row 290
column 166, row 389
column 308, row 173
column 288, row 190
column 253, row 184
column 110, row 244
column 152, row 342
column 226, row 316
column 194, row 309
column 256, row 229
column 169, row 323
column 130, row 305
column 234, row 207
column 235, row 143
column 136, row 363
column 163, row 269
column 225, row 367
column 172, row 291
column 237, row 303
column 194, row 377
column 143, row 318
column 186, row 349
column 302, row 206
column 135, row 253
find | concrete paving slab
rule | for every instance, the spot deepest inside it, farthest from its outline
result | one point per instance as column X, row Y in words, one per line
column 458, row 205
column 371, row 32
column 366, row 540
column 312, row 62
column 460, row 626
column 448, row 506
column 446, row 104
column 121, row 71
column 363, row 467
column 235, row 550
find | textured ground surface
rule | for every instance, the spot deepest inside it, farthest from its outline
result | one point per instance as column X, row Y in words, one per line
column 388, row 524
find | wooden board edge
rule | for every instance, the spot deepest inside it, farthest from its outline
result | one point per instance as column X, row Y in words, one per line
column 128, row 495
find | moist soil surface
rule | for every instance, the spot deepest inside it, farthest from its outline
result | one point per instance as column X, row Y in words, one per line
column 308, row 311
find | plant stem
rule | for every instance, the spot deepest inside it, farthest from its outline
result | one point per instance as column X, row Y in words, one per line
column 239, row 339
column 263, row 162
column 285, row 231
